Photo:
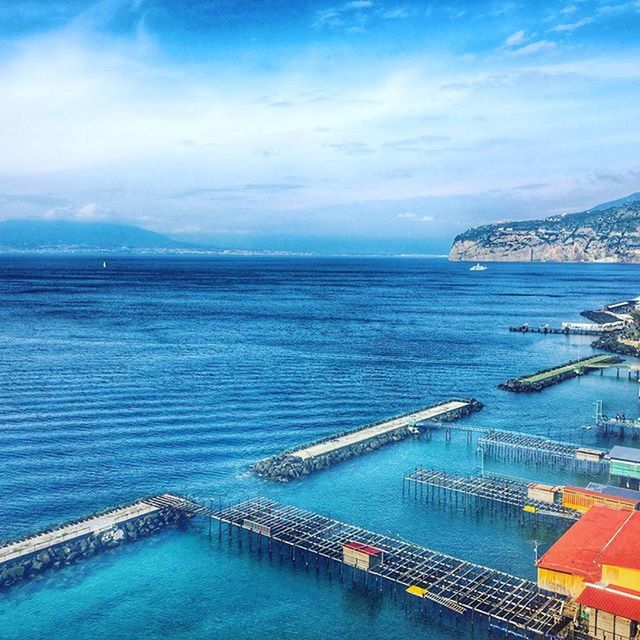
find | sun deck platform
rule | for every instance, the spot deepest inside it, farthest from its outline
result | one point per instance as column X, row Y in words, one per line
column 506, row 601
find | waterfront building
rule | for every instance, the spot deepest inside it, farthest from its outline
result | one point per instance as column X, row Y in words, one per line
column 597, row 564
column 583, row 498
column 625, row 465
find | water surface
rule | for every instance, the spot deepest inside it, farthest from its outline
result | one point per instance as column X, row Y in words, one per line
column 174, row 374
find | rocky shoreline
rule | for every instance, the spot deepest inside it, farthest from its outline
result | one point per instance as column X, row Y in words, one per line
column 609, row 342
column 286, row 466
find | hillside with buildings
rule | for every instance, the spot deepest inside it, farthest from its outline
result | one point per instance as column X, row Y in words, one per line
column 607, row 233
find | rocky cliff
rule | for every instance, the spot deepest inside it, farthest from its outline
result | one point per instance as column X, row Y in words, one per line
column 602, row 234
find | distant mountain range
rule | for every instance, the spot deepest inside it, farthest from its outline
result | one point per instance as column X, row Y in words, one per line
column 609, row 232
column 28, row 235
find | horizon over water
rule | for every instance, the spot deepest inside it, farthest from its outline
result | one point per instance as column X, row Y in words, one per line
column 176, row 373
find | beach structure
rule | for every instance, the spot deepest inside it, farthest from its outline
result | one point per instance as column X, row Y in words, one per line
column 521, row 447
column 507, row 603
column 583, row 498
column 532, row 498
column 361, row 556
column 624, row 465
column 324, row 453
column 597, row 564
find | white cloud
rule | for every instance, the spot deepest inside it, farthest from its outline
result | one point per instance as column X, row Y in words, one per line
column 357, row 4
column 350, row 16
column 541, row 46
column 416, row 216
column 398, row 12
column 90, row 212
column 564, row 28
column 515, row 38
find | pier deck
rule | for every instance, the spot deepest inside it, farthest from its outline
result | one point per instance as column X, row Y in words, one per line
column 520, row 447
column 566, row 331
column 499, row 442
column 504, row 491
column 506, row 601
column 373, row 431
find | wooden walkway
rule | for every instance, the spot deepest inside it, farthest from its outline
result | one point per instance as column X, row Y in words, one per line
column 504, row 443
column 523, row 328
column 491, row 489
column 505, row 601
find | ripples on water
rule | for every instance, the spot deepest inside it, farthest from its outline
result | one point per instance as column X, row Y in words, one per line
column 174, row 374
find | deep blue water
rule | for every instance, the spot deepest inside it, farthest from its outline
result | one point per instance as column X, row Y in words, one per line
column 174, row 374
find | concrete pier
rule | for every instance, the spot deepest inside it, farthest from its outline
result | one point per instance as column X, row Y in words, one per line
column 548, row 377
column 66, row 544
column 324, row 453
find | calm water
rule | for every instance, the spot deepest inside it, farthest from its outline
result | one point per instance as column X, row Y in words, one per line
column 174, row 374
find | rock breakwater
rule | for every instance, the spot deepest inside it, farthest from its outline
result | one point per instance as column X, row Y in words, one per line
column 30, row 557
column 548, row 377
column 290, row 465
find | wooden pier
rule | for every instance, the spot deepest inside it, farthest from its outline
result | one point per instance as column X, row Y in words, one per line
column 516, row 446
column 490, row 491
column 565, row 331
column 506, row 602
column 522, row 447
column 618, row 426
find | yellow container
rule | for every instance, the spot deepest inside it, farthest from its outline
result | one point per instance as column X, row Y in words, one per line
column 415, row 590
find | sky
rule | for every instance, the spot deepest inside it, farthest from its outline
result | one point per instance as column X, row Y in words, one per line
column 358, row 126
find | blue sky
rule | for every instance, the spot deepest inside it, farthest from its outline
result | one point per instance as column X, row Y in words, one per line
column 367, row 125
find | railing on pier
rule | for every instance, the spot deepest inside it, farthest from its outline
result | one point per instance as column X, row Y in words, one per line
column 506, row 601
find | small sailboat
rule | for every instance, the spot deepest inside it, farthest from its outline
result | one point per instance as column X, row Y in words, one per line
column 104, row 264
column 478, row 267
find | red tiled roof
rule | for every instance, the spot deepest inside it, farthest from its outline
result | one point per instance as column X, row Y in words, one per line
column 577, row 551
column 364, row 548
column 621, row 602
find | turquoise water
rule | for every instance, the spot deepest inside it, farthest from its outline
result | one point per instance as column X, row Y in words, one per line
column 174, row 374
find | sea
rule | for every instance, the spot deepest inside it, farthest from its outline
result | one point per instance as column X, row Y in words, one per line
column 174, row 374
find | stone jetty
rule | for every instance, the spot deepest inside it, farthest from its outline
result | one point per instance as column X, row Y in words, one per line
column 321, row 454
column 66, row 544
column 548, row 377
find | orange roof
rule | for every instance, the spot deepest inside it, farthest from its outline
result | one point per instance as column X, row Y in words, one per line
column 578, row 551
column 620, row 602
column 600, row 494
column 624, row 550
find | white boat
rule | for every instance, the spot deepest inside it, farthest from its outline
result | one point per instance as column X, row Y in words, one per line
column 478, row 267
column 104, row 265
